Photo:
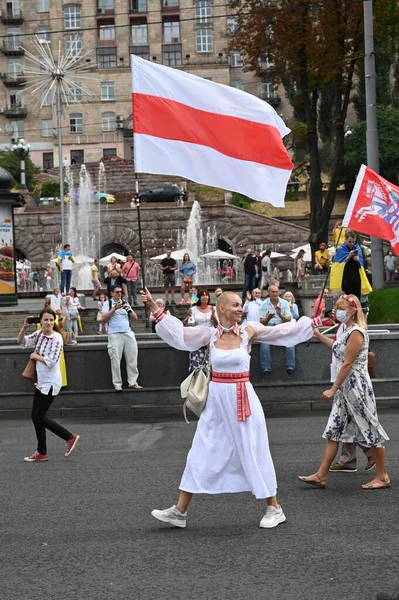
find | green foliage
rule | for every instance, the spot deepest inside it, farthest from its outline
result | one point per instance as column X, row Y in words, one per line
column 204, row 193
column 240, row 200
column 10, row 161
column 52, row 188
column 291, row 195
column 384, row 306
column 356, row 151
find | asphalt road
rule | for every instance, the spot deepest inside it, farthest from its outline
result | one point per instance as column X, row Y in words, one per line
column 81, row 527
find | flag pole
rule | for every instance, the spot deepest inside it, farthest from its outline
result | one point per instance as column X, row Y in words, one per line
column 377, row 259
column 137, row 200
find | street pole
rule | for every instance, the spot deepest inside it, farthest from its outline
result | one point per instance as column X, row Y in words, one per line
column 377, row 259
column 23, row 178
column 60, row 163
column 147, row 321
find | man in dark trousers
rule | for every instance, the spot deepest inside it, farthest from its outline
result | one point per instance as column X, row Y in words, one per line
column 251, row 271
column 168, row 267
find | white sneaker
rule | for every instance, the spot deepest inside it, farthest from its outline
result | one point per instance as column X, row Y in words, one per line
column 171, row 515
column 272, row 518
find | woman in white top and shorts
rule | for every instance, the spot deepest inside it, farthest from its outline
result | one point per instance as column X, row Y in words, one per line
column 48, row 345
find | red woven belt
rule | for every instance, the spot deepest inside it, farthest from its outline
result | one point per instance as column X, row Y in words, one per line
column 239, row 380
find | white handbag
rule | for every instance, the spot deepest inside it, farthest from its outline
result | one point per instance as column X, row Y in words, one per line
column 194, row 391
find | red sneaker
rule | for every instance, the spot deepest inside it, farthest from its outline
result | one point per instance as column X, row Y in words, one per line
column 71, row 444
column 36, row 457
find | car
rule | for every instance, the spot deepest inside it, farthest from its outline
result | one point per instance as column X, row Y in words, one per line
column 97, row 197
column 166, row 193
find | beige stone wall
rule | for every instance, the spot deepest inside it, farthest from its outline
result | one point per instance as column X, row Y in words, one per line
column 214, row 64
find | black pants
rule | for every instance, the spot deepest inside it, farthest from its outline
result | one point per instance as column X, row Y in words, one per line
column 41, row 405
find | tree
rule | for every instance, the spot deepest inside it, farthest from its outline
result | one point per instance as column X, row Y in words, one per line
column 315, row 46
column 356, row 151
column 10, row 161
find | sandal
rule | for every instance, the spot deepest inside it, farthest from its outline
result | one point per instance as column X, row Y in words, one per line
column 317, row 484
column 369, row 486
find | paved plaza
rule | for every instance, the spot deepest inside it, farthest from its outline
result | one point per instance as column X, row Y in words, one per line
column 81, row 527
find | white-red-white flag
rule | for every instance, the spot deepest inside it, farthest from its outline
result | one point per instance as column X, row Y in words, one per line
column 207, row 132
column 373, row 208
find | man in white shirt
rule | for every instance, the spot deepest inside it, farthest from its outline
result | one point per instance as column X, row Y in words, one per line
column 266, row 267
column 251, row 308
column 389, row 261
column 273, row 311
column 121, row 339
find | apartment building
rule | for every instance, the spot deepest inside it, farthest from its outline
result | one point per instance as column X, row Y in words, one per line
column 191, row 35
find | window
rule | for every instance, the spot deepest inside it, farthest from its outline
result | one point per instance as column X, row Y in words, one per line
column 75, row 93
column 73, row 44
column 141, row 51
column 171, row 32
column 16, row 98
column 108, row 121
column 77, row 157
column 17, row 129
column 48, row 160
column 106, row 58
column 14, row 67
column 238, row 84
column 107, row 90
column 139, row 34
column 72, row 17
column 43, row 5
column 106, row 4
column 109, row 152
column 203, row 11
column 203, row 40
column 235, row 58
column 45, row 98
column 138, row 6
column 47, row 128
column 171, row 55
column 76, row 123
column 168, row 3
column 267, row 88
column 107, row 33
column 232, row 26
column 44, row 34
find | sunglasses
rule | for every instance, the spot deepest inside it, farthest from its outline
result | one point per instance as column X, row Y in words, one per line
column 117, row 291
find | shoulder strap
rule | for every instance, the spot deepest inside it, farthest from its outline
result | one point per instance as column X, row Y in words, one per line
column 109, row 304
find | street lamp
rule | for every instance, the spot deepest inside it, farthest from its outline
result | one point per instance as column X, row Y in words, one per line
column 22, row 150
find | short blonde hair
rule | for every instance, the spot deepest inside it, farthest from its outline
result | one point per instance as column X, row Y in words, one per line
column 218, row 292
column 291, row 295
column 161, row 300
column 353, row 302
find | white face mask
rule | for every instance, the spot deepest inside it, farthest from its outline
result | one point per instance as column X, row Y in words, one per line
column 341, row 316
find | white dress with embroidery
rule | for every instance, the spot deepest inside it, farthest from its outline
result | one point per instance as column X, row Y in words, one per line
column 228, row 455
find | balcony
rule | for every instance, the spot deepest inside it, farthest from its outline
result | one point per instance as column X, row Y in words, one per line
column 272, row 98
column 105, row 13
column 138, row 7
column 12, row 47
column 11, row 16
column 13, row 79
column 15, row 111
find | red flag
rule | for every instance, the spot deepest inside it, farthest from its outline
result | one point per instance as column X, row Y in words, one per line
column 373, row 208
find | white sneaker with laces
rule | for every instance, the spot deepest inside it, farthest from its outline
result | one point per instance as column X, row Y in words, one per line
column 171, row 515
column 272, row 518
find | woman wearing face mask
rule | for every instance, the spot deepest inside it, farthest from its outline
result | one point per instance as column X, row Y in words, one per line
column 353, row 416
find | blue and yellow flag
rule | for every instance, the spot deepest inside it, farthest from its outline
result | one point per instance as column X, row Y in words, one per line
column 338, row 266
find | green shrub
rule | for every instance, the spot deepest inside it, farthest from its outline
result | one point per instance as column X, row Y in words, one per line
column 384, row 306
column 240, row 200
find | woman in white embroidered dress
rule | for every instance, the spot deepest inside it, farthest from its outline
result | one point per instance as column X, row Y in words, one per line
column 230, row 450
column 47, row 344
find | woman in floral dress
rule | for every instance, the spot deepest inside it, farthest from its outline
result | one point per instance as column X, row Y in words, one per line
column 353, row 416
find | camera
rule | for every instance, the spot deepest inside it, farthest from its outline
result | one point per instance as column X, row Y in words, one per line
column 127, row 307
column 328, row 306
column 32, row 320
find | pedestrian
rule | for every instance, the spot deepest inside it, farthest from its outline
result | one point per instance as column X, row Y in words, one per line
column 201, row 313
column 389, row 261
column 251, row 308
column 290, row 298
column 168, row 267
column 266, row 269
column 73, row 306
column 48, row 347
column 65, row 261
column 48, row 273
column 230, row 450
column 102, row 299
column 258, row 277
column 121, row 339
column 300, row 268
column 187, row 270
column 95, row 278
column 322, row 259
column 114, row 278
column 250, row 270
column 353, row 417
column 66, row 162
column 36, row 280
column 338, row 234
column 114, row 265
column 347, row 269
column 131, row 271
column 274, row 311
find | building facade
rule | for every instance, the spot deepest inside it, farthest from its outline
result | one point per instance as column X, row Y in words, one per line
column 187, row 34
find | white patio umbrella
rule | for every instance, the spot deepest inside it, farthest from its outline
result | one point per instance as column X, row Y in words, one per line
column 308, row 252
column 219, row 255
column 276, row 255
column 79, row 260
column 177, row 255
column 105, row 260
